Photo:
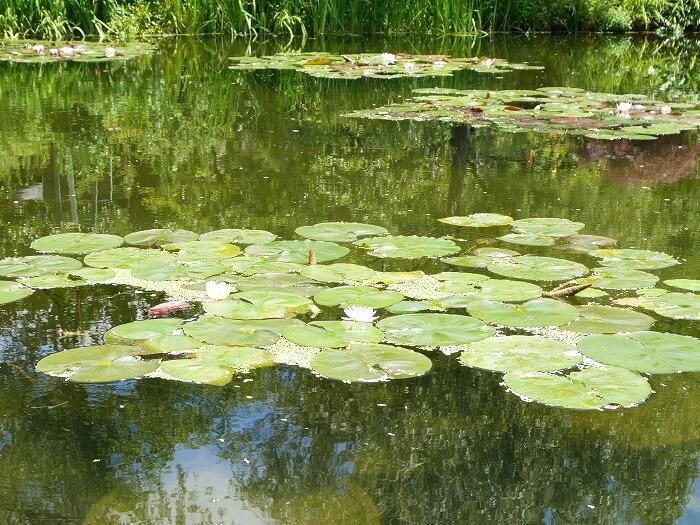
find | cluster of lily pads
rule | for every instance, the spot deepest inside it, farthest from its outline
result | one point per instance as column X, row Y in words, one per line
column 384, row 65
column 84, row 51
column 254, row 287
column 548, row 110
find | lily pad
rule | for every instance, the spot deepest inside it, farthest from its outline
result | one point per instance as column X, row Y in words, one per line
column 595, row 319
column 203, row 251
column 11, row 291
column 675, row 305
column 159, row 237
column 586, row 243
column 53, row 280
column 260, row 305
column 409, row 307
column 482, row 257
column 650, row 352
column 155, row 270
column 692, row 285
column 298, row 251
column 434, row 329
column 230, row 332
column 76, row 243
column 257, row 265
column 589, row 389
column 34, row 265
column 340, row 231
column 96, row 275
column 97, row 364
column 193, row 371
column 633, row 259
column 239, row 236
column 547, row 226
column 408, row 246
column 520, row 353
column 366, row 362
column 333, row 334
column 527, row 239
column 169, row 344
column 535, row 268
column 40, row 51
column 126, row 258
column 345, row 296
column 339, row 272
column 613, row 278
column 478, row 220
column 139, row 331
column 533, row 313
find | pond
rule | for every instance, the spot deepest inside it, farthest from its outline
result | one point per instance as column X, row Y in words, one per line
column 176, row 139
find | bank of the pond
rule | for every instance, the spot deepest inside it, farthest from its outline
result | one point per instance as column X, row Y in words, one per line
column 130, row 19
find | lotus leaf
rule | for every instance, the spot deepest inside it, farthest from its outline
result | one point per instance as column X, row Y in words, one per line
column 169, row 344
column 333, row 334
column 434, row 329
column 340, row 231
column 345, row 296
column 366, row 362
column 139, row 331
column 675, row 305
column 478, row 220
column 692, row 285
column 650, row 352
column 18, row 50
column 53, row 280
column 155, row 270
column 408, row 246
column 298, row 251
column 595, row 319
column 260, row 305
column 97, row 364
column 239, row 236
column 520, row 353
column 613, row 278
column 535, row 268
column 547, row 226
column 159, row 237
column 34, row 265
column 591, row 388
column 76, row 243
column 126, row 258
column 533, row 313
column 11, row 291
column 230, row 332
column 527, row 239
column 633, row 259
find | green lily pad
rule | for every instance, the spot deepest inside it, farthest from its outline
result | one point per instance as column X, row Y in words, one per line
column 333, row 334
column 345, row 296
column 239, row 236
column 97, row 364
column 535, row 268
column 126, row 258
column 692, row 285
column 434, row 329
column 408, row 246
column 231, row 332
column 298, row 251
column 76, row 243
column 282, row 282
column 409, row 307
column 586, row 243
column 155, row 270
column 169, row 344
column 595, row 319
column 366, row 362
column 192, row 371
column 338, row 273
column 547, row 226
column 202, row 251
column 650, row 352
column 482, row 257
column 633, row 259
column 96, row 275
column 508, row 291
column 478, row 220
column 651, row 292
column 675, row 305
column 34, row 265
column 53, row 280
column 39, row 51
column 527, row 239
column 520, row 353
column 139, row 331
column 11, row 291
column 591, row 293
column 257, row 265
column 589, row 389
column 340, row 231
column 260, row 305
column 613, row 278
column 533, row 313
column 159, row 237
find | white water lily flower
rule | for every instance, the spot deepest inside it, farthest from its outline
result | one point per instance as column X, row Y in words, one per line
column 666, row 110
column 53, row 51
column 489, row 62
column 624, row 107
column 66, row 51
column 37, row 48
column 388, row 59
column 362, row 314
column 110, row 52
column 217, row 290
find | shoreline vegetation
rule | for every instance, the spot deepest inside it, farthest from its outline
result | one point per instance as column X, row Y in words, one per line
column 129, row 19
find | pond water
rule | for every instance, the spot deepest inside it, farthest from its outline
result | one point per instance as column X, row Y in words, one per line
column 177, row 139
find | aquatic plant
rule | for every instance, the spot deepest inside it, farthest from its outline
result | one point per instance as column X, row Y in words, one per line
column 34, row 51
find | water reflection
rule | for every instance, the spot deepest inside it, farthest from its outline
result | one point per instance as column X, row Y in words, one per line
column 178, row 140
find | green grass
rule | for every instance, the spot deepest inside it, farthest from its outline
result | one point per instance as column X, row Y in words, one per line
column 55, row 19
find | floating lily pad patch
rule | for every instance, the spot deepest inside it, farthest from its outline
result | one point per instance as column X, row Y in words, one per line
column 11, row 291
column 332, row 334
column 216, row 330
column 34, row 265
column 674, row 305
column 586, row 243
column 42, row 51
column 253, row 265
column 594, row 115
column 614, row 278
column 481, row 257
column 429, row 329
column 408, row 246
column 535, row 268
column 158, row 237
column 527, row 239
column 589, row 389
column 200, row 251
column 138, row 331
column 650, row 352
column 547, row 226
column 370, row 362
column 260, row 305
column 76, row 243
column 596, row 319
column 534, row 313
column 298, row 251
column 692, row 285
column 633, row 259
column 365, row 65
column 239, row 236
column 340, row 231
column 346, row 296
column 478, row 220
column 54, row 280
column 156, row 270
column 520, row 353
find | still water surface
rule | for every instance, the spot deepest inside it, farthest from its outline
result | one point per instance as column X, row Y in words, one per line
column 178, row 140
